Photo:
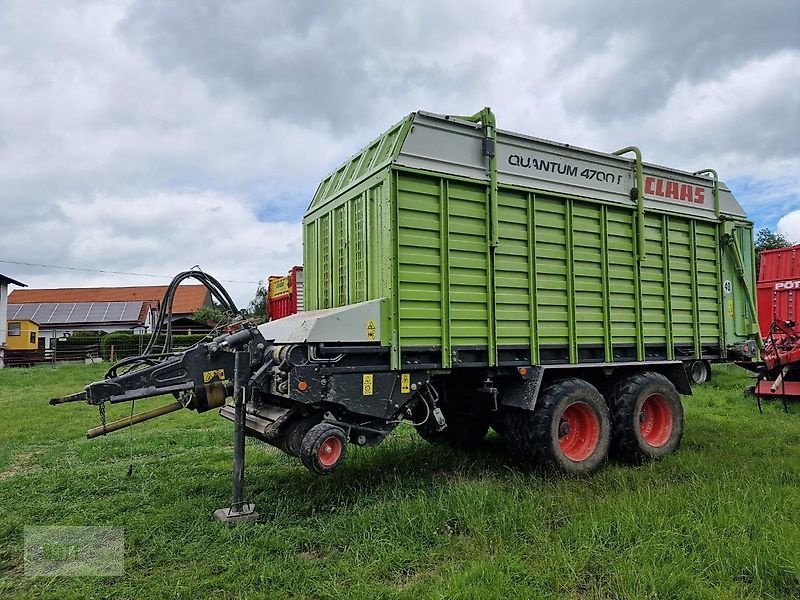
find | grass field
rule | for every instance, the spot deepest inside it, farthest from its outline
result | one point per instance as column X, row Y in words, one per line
column 719, row 519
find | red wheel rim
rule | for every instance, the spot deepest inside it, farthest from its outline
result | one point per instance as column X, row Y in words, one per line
column 656, row 420
column 578, row 431
column 330, row 450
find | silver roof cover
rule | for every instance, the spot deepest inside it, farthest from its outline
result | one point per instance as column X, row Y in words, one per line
column 449, row 145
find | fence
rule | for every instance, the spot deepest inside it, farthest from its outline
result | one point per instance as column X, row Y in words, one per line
column 92, row 347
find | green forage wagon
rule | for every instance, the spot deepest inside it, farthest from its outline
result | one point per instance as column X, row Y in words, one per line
column 462, row 277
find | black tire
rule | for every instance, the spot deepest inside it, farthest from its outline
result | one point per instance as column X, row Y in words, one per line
column 647, row 417
column 295, row 432
column 324, row 448
column 698, row 371
column 540, row 437
column 464, row 430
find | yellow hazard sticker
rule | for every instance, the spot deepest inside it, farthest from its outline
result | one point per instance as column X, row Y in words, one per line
column 405, row 383
column 366, row 385
column 215, row 374
column 372, row 330
column 730, row 308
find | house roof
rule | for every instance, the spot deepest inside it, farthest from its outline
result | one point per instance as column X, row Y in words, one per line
column 77, row 313
column 6, row 279
column 188, row 298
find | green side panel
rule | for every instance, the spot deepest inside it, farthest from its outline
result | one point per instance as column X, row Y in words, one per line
column 358, row 248
column 550, row 252
column 681, row 275
column 372, row 159
column 708, row 283
column 655, row 290
column 469, row 264
column 424, row 271
column 513, row 278
column 590, row 304
column 420, row 270
column 310, row 284
column 347, row 247
column 621, row 232
column 325, row 281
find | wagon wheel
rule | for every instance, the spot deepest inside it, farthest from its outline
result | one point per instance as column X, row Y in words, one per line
column 648, row 418
column 569, row 429
column 699, row 371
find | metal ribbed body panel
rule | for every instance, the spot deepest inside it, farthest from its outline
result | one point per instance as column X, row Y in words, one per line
column 573, row 275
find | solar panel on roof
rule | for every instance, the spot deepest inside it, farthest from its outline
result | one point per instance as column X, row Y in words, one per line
column 113, row 311
column 132, row 311
column 74, row 313
column 96, row 312
column 44, row 312
column 61, row 313
column 81, row 309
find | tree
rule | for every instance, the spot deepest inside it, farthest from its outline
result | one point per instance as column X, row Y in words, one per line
column 208, row 314
column 768, row 240
column 257, row 308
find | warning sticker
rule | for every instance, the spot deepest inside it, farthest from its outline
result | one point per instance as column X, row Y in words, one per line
column 372, row 330
column 730, row 308
column 366, row 385
column 405, row 383
column 216, row 373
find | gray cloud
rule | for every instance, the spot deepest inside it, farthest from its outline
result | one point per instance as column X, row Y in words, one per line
column 332, row 64
column 653, row 46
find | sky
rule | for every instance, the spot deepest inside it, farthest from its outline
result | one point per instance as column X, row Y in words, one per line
column 148, row 137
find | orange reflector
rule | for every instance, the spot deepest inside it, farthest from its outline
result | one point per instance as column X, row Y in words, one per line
column 523, row 371
column 302, row 386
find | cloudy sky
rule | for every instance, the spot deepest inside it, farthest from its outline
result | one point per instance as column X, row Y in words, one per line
column 147, row 137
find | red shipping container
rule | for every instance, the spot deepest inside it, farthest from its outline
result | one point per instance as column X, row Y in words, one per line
column 778, row 287
column 285, row 294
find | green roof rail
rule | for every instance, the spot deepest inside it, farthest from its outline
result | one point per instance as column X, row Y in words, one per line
column 486, row 118
column 640, row 249
column 715, row 189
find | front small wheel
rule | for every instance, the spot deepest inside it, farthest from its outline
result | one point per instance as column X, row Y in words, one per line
column 324, row 448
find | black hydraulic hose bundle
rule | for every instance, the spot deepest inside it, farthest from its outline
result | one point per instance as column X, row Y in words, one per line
column 163, row 324
column 148, row 357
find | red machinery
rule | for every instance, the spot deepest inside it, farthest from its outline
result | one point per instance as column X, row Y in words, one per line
column 778, row 287
column 285, row 294
column 778, row 295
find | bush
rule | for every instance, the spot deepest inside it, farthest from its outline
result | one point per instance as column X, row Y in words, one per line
column 80, row 339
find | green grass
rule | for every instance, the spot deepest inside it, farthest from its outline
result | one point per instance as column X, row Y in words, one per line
column 719, row 519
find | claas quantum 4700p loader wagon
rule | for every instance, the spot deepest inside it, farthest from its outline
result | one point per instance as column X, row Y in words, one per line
column 461, row 277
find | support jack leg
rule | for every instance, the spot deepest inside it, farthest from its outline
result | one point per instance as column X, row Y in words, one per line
column 239, row 511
